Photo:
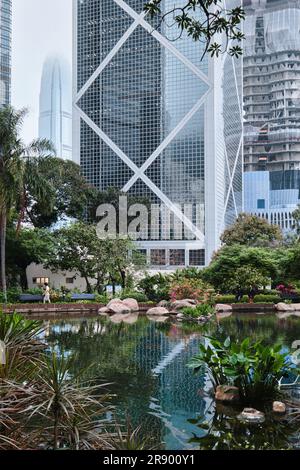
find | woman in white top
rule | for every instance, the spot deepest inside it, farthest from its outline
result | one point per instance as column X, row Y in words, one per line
column 46, row 293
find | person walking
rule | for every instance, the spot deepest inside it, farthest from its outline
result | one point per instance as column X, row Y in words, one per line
column 46, row 291
column 251, row 294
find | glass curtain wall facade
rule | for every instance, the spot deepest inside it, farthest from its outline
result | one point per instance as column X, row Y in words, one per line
column 272, row 106
column 5, row 51
column 55, row 118
column 148, row 120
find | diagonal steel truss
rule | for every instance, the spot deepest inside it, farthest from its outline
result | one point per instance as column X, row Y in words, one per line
column 139, row 173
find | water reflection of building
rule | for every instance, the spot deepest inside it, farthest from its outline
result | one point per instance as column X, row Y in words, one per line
column 177, row 395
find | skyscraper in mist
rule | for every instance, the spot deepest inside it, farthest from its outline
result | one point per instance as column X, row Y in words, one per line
column 5, row 50
column 55, row 118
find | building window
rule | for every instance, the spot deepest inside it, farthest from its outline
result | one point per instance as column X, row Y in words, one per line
column 158, row 257
column 177, row 257
column 69, row 280
column 197, row 257
column 40, row 281
column 261, row 204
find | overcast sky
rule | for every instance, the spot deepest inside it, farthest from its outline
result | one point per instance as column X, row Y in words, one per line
column 40, row 28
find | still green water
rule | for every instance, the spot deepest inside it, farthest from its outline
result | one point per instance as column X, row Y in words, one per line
column 146, row 364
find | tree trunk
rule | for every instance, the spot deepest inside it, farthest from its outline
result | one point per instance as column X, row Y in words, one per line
column 123, row 278
column 88, row 285
column 3, row 255
column 23, row 279
column 21, row 213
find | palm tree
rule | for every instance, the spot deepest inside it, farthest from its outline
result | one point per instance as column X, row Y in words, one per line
column 34, row 183
column 14, row 172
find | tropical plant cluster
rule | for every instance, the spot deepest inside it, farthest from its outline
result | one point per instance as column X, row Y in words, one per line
column 45, row 403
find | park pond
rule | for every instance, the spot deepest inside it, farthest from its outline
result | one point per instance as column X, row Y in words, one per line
column 145, row 364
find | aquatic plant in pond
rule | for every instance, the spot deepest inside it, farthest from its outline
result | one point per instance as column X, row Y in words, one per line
column 199, row 310
column 251, row 366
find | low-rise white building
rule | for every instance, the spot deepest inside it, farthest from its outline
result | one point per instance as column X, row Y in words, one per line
column 37, row 275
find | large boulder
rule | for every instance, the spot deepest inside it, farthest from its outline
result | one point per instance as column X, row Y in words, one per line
column 227, row 394
column 179, row 304
column 296, row 307
column 158, row 311
column 113, row 301
column 103, row 312
column 223, row 308
column 221, row 315
column 119, row 307
column 282, row 307
column 132, row 304
column 250, row 415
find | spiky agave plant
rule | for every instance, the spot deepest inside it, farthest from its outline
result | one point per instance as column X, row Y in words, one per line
column 73, row 412
column 22, row 347
column 131, row 438
column 21, row 360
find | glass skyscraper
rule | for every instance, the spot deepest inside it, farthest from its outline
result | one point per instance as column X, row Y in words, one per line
column 55, row 119
column 272, row 109
column 149, row 119
column 5, row 50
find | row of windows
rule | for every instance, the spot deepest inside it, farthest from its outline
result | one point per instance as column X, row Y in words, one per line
column 176, row 257
column 40, row 281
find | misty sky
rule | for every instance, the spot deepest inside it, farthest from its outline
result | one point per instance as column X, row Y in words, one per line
column 40, row 28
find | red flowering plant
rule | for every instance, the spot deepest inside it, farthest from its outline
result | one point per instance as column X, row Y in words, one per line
column 283, row 289
column 192, row 289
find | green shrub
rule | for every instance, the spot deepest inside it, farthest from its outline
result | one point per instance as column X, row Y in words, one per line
column 138, row 296
column 230, row 299
column 101, row 299
column 198, row 311
column 267, row 299
column 13, row 295
column 155, row 288
column 258, row 299
column 252, row 367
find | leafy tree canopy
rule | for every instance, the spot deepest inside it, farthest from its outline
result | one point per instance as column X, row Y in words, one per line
column 229, row 259
column 29, row 246
column 78, row 248
column 68, row 193
column 251, row 230
column 204, row 21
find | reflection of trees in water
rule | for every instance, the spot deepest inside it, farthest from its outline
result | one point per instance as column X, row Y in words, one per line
column 268, row 328
column 110, row 353
column 127, row 355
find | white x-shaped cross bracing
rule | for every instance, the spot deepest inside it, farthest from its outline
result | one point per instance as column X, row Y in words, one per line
column 139, row 173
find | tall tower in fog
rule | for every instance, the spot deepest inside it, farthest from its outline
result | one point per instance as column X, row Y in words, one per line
column 55, row 119
column 5, row 51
